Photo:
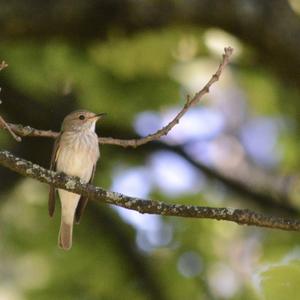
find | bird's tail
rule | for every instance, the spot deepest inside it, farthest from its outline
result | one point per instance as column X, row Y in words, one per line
column 65, row 235
column 69, row 203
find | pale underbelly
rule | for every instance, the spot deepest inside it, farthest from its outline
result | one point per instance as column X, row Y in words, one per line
column 79, row 163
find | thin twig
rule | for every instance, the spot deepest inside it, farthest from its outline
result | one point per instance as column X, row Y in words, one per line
column 32, row 132
column 189, row 102
column 3, row 124
column 73, row 184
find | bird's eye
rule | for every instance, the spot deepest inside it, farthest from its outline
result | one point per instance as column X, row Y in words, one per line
column 81, row 117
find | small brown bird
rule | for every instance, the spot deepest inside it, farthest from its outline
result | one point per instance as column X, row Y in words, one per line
column 75, row 153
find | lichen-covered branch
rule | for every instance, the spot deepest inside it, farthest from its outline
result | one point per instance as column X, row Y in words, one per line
column 32, row 132
column 60, row 180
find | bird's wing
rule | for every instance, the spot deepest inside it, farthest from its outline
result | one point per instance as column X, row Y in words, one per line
column 52, row 191
column 83, row 200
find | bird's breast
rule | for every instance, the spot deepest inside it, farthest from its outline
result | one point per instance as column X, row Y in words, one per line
column 78, row 153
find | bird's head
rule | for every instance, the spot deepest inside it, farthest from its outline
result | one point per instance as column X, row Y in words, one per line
column 81, row 120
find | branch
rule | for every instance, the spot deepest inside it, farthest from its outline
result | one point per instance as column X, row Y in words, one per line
column 3, row 124
column 189, row 102
column 29, row 131
column 73, row 184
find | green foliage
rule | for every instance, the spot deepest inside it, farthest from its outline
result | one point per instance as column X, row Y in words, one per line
column 281, row 282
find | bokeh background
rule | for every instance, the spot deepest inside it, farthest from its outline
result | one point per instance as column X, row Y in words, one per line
column 137, row 60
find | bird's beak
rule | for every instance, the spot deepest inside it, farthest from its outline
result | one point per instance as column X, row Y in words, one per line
column 99, row 116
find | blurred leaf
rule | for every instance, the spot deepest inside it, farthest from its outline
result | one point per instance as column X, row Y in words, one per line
column 281, row 282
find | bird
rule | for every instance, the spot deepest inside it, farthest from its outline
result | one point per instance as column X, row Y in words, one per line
column 75, row 153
